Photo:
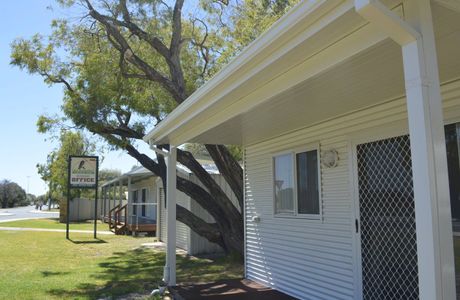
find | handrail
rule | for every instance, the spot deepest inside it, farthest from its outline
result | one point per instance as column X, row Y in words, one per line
column 118, row 214
column 110, row 215
column 117, row 218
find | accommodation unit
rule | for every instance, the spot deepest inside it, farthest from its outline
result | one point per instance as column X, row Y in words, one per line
column 341, row 108
column 146, row 207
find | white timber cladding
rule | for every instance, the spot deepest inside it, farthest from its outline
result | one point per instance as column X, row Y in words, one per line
column 182, row 231
column 315, row 259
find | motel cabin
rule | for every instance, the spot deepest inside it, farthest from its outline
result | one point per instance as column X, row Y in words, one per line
column 146, row 207
column 349, row 116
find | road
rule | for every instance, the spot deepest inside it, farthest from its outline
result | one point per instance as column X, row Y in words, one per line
column 26, row 212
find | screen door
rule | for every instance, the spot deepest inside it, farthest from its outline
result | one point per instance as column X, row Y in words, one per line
column 387, row 220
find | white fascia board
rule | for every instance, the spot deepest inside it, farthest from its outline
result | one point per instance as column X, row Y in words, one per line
column 263, row 46
column 367, row 37
column 375, row 12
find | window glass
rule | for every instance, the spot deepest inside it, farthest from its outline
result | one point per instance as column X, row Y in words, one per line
column 144, row 197
column 307, row 182
column 453, row 166
column 134, row 201
column 284, row 184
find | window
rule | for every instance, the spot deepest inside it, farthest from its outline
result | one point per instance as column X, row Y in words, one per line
column 284, row 184
column 135, row 201
column 144, row 198
column 307, row 183
column 297, row 192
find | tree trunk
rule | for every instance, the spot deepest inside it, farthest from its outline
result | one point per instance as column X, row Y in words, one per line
column 227, row 231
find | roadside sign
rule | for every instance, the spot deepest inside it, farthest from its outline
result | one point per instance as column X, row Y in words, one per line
column 83, row 174
column 83, row 171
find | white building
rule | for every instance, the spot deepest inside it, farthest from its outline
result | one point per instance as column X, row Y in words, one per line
column 146, row 206
column 339, row 202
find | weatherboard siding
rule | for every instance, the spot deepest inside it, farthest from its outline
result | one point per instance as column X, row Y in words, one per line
column 200, row 245
column 314, row 259
column 182, row 231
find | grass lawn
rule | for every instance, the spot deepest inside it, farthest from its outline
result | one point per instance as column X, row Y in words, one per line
column 43, row 265
column 54, row 224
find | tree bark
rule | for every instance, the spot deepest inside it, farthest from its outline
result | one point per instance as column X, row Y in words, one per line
column 229, row 228
column 229, row 168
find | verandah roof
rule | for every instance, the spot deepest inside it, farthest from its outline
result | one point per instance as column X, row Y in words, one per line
column 320, row 61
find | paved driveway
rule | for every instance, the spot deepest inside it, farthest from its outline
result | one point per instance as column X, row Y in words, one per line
column 26, row 212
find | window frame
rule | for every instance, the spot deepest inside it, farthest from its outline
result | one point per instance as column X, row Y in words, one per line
column 293, row 152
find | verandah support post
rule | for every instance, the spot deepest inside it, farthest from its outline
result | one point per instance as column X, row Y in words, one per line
column 170, row 268
column 130, row 202
column 431, row 182
column 68, row 202
column 120, row 192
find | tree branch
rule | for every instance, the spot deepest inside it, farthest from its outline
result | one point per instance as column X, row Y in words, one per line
column 121, row 44
column 207, row 230
column 229, row 168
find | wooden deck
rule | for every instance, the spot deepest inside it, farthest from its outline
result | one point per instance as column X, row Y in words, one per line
column 142, row 227
column 227, row 290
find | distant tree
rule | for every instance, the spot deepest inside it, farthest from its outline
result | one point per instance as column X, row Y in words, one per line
column 12, row 194
column 40, row 200
column 106, row 175
column 30, row 199
column 54, row 171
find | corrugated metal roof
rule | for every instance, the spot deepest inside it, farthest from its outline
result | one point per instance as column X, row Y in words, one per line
column 144, row 172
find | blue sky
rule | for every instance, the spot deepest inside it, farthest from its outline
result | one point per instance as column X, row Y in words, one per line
column 24, row 97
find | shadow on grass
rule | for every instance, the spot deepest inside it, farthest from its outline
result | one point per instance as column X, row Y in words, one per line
column 140, row 271
column 95, row 241
column 51, row 273
column 125, row 272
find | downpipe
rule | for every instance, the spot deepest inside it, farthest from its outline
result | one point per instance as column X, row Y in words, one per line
column 163, row 285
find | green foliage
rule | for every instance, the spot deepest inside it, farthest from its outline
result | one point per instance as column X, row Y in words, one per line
column 108, row 174
column 241, row 22
column 11, row 194
column 199, row 151
column 55, row 171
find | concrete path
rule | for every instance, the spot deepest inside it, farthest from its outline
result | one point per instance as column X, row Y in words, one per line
column 52, row 230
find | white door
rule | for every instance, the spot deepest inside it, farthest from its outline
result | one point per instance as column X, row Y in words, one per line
column 385, row 222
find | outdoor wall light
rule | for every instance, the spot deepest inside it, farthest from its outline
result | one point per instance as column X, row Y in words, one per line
column 330, row 158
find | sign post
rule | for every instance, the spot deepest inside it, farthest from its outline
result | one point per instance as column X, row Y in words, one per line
column 83, row 173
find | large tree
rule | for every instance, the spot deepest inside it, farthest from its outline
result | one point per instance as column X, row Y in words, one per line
column 129, row 64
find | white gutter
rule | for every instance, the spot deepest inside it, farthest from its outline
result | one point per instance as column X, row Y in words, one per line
column 169, row 270
column 436, row 273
